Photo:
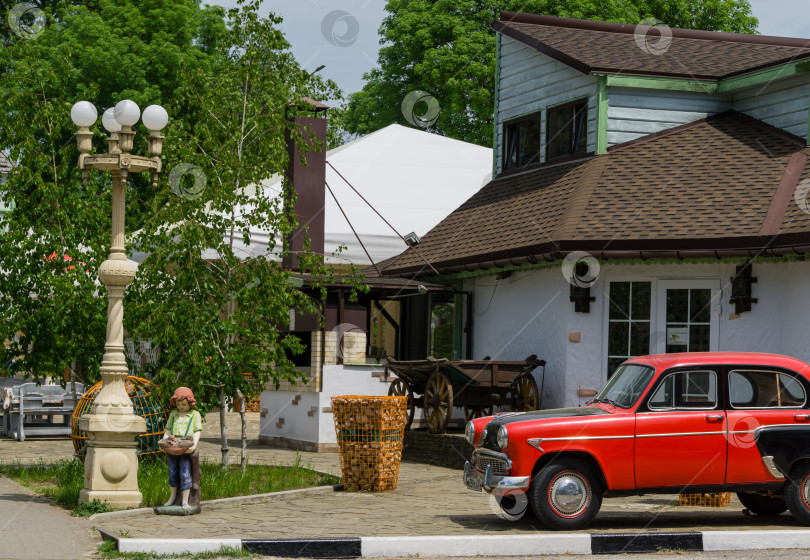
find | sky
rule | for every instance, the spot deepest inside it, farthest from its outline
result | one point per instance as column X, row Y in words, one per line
column 342, row 34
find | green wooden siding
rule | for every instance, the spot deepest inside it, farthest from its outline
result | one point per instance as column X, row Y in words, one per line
column 529, row 81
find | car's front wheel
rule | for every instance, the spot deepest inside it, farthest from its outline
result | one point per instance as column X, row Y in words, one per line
column 762, row 505
column 797, row 492
column 566, row 494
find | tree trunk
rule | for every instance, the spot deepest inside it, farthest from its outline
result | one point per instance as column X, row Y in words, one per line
column 243, row 459
column 223, row 429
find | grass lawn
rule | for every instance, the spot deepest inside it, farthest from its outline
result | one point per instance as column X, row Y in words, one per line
column 62, row 481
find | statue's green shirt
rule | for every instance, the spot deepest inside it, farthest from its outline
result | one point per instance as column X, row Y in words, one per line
column 184, row 425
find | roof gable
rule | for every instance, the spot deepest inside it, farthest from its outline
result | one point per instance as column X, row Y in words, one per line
column 599, row 47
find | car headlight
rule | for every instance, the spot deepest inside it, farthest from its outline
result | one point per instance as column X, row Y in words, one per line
column 503, row 437
column 469, row 432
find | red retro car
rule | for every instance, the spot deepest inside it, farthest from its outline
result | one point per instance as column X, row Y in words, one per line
column 671, row 423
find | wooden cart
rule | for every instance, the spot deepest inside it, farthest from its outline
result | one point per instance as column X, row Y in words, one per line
column 437, row 385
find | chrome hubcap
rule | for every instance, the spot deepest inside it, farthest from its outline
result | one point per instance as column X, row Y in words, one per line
column 806, row 491
column 569, row 494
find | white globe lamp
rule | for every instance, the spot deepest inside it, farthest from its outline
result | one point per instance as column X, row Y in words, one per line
column 109, row 122
column 127, row 112
column 83, row 114
column 155, row 118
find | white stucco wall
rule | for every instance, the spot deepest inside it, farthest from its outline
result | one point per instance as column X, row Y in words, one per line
column 530, row 313
column 525, row 315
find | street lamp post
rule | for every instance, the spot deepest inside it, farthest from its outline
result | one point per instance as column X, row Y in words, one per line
column 111, row 464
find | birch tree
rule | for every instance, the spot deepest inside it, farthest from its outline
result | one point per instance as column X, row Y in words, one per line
column 215, row 299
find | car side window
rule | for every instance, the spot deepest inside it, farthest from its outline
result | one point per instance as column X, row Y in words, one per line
column 686, row 390
column 764, row 389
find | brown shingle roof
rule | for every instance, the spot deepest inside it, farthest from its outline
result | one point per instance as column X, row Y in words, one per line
column 702, row 189
column 608, row 47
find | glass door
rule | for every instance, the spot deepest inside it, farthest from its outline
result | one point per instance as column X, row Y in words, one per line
column 688, row 316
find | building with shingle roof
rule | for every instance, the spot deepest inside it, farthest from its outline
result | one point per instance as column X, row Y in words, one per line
column 649, row 195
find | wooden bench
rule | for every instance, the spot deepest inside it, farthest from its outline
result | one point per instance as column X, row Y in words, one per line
column 34, row 409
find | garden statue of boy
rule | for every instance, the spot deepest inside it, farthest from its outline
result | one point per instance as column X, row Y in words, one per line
column 180, row 439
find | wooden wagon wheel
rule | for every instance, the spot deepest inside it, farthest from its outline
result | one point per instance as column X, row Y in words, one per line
column 400, row 388
column 438, row 402
column 525, row 388
column 473, row 412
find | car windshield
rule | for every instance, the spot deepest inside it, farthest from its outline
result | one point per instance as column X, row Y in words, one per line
column 626, row 385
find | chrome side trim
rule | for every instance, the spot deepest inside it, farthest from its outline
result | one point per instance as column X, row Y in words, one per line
column 758, row 428
column 535, row 442
column 767, row 460
column 586, row 437
column 718, row 433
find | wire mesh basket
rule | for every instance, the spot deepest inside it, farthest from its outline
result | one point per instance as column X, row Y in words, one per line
column 714, row 499
column 145, row 402
column 370, row 431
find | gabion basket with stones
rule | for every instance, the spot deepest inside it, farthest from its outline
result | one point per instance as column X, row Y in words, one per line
column 253, row 404
column 370, row 431
column 715, row 499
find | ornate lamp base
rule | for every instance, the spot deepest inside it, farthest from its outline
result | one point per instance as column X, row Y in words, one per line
column 111, row 464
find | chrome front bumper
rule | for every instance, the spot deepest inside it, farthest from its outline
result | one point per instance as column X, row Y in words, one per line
column 492, row 483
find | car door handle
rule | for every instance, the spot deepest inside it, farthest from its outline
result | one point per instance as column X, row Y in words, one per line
column 801, row 417
column 714, row 418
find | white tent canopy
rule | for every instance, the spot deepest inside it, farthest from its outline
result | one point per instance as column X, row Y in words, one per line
column 413, row 178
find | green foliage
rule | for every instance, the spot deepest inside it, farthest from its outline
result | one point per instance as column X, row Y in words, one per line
column 215, row 300
column 445, row 48
column 86, row 509
column 102, row 51
column 226, row 81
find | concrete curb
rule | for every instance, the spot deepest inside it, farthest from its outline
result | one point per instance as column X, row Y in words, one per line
column 469, row 546
column 222, row 502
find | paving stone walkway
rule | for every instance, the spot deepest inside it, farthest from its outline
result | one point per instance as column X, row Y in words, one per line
column 32, row 528
column 429, row 501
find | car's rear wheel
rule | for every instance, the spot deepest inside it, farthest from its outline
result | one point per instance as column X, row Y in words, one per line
column 797, row 492
column 566, row 494
column 762, row 505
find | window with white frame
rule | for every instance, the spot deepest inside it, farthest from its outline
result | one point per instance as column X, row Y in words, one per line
column 628, row 322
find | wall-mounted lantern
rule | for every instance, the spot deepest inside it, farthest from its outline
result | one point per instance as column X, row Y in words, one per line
column 581, row 298
column 741, row 289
